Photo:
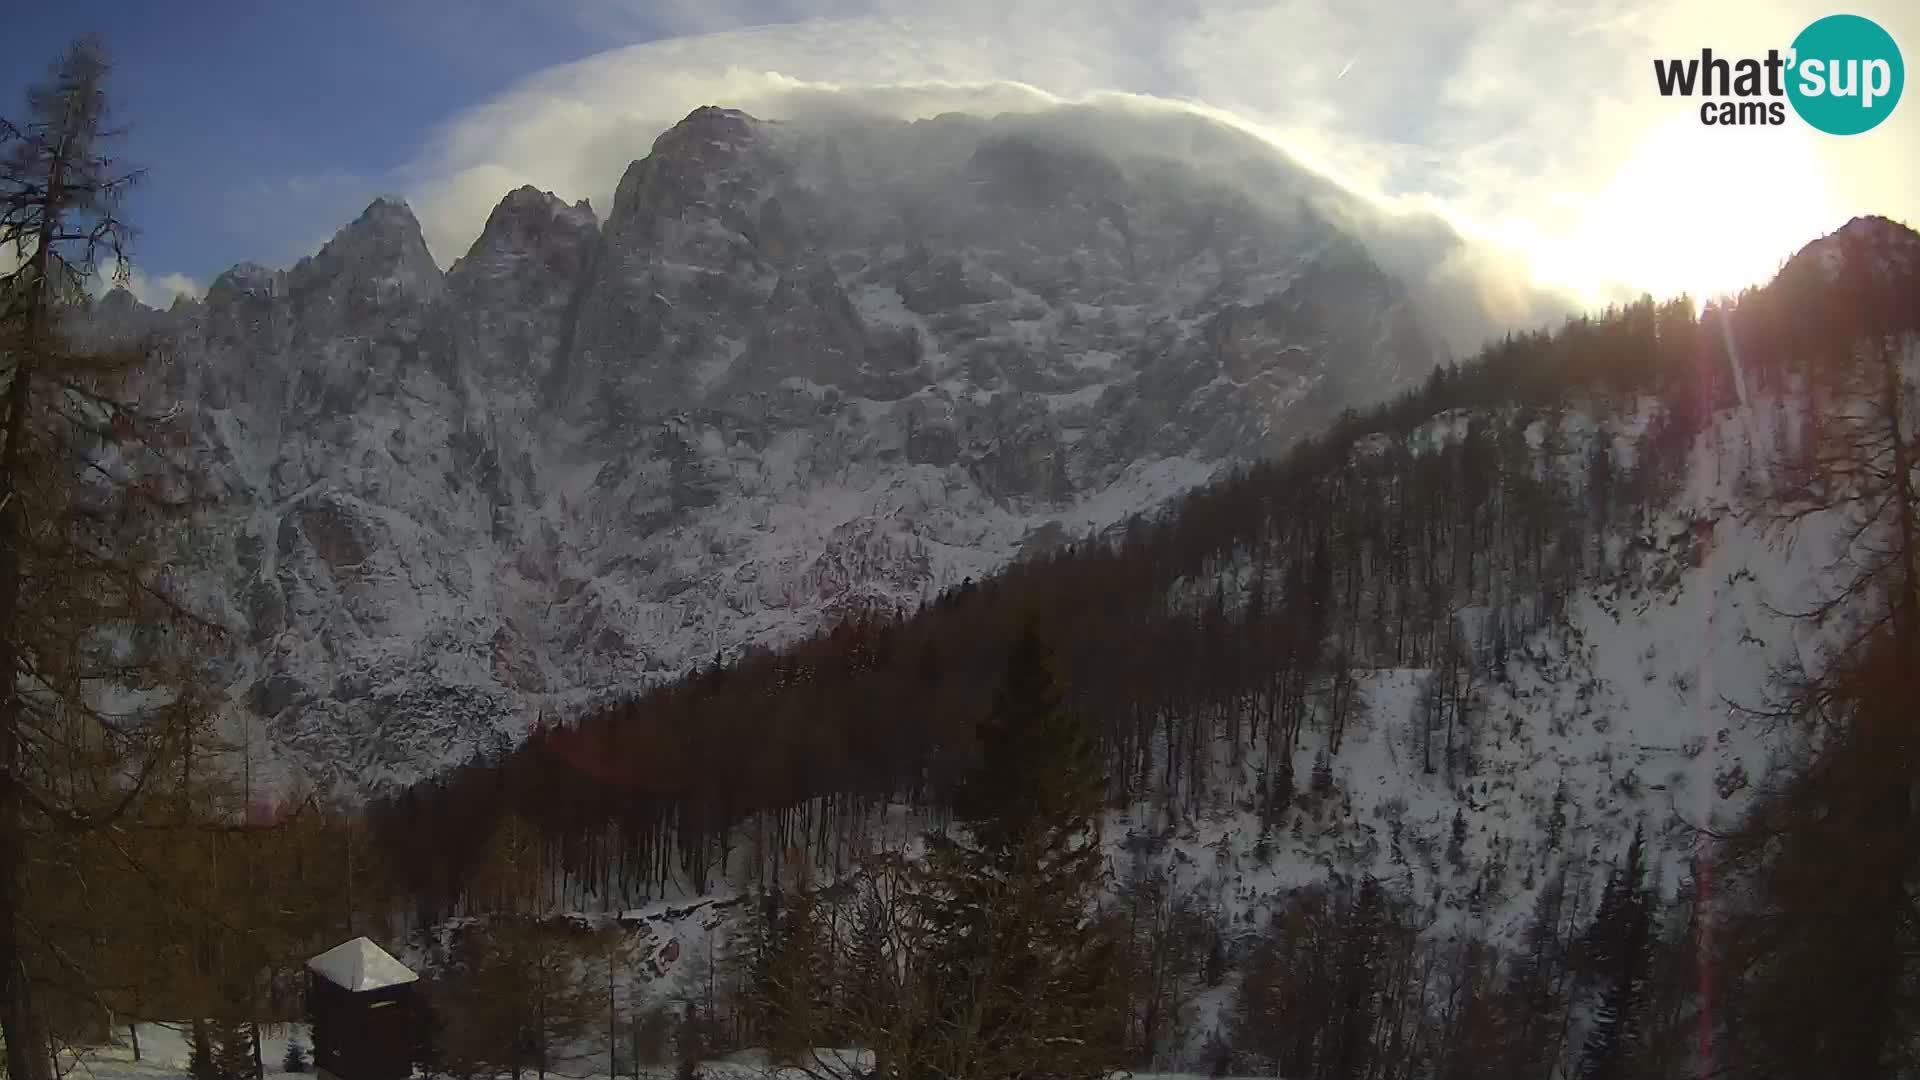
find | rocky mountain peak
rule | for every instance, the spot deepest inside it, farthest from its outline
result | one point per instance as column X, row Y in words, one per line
column 526, row 220
column 115, row 318
column 691, row 250
column 707, row 129
column 119, row 301
column 529, row 232
column 1891, row 250
column 381, row 254
column 704, row 161
column 246, row 277
column 795, row 372
column 519, row 281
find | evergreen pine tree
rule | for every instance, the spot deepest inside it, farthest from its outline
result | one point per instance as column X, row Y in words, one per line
column 1255, row 1015
column 1019, row 969
column 1279, row 793
column 1216, row 1054
column 1216, row 965
column 647, row 1037
column 296, row 1059
column 1618, row 942
column 752, row 957
column 689, row 1045
column 1357, row 974
column 1534, row 980
column 428, row 1034
column 795, row 975
column 1322, row 776
column 200, row 1052
column 233, row 1051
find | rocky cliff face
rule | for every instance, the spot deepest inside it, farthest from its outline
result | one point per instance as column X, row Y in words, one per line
column 796, row 370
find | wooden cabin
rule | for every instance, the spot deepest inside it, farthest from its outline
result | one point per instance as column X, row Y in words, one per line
column 365, row 1016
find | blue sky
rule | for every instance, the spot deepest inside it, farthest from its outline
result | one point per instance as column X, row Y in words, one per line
column 237, row 109
column 1533, row 125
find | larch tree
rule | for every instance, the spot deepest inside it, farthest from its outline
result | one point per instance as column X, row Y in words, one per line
column 101, row 694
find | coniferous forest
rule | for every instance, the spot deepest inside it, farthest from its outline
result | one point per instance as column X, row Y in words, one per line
column 945, row 843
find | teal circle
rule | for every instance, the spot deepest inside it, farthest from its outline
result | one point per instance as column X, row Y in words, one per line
column 1853, row 55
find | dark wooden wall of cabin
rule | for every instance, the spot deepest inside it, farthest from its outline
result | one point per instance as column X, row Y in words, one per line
column 368, row 1035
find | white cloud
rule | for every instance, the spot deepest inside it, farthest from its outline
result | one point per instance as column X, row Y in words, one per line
column 162, row 290
column 153, row 290
column 1534, row 125
column 156, row 291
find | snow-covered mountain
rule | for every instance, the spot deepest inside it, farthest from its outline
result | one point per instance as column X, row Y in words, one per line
column 795, row 370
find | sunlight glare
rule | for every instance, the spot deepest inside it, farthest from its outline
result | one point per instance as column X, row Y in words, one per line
column 1694, row 209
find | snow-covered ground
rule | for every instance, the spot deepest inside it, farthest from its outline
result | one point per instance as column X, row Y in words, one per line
column 164, row 1053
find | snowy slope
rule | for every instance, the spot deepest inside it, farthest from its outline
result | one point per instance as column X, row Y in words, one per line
column 1628, row 707
column 1622, row 711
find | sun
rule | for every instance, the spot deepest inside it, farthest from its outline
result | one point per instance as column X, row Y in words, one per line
column 1693, row 209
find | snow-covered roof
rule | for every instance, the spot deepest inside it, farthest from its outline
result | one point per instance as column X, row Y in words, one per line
column 360, row 965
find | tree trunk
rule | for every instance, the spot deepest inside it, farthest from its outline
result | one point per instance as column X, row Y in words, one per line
column 1906, row 603
column 17, row 1018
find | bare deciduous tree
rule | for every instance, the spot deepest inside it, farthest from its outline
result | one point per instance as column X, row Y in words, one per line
column 100, row 697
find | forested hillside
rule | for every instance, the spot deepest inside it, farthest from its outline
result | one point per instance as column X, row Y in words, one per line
column 1432, row 747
